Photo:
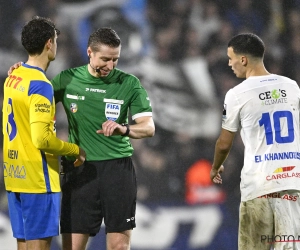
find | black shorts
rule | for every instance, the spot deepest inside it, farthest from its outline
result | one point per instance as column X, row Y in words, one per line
column 98, row 190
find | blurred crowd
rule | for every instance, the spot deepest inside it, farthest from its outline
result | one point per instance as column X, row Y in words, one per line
column 178, row 50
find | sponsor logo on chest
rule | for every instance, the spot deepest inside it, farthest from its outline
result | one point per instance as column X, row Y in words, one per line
column 95, row 90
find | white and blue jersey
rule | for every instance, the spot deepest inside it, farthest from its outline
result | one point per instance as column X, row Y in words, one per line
column 266, row 108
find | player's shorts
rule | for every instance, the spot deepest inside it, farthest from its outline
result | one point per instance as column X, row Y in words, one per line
column 271, row 220
column 96, row 191
column 34, row 216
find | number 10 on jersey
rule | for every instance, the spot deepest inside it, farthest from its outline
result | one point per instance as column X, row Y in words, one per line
column 272, row 126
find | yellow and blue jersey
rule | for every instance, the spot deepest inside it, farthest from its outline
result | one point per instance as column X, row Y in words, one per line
column 28, row 99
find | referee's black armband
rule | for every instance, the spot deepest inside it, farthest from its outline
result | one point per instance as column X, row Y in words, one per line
column 127, row 129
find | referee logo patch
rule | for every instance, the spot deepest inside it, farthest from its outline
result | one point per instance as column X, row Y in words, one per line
column 112, row 111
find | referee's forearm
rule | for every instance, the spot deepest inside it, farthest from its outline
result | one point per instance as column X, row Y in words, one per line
column 143, row 129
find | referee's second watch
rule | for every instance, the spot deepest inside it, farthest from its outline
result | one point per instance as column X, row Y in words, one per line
column 127, row 129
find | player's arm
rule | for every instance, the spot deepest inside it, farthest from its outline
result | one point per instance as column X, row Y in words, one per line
column 222, row 149
column 44, row 139
column 41, row 116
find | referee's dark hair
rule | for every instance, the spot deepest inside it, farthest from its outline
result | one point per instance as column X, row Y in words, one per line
column 105, row 36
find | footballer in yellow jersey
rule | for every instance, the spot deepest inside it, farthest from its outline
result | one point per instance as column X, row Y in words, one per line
column 28, row 106
column 31, row 148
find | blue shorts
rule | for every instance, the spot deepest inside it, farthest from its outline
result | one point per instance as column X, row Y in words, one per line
column 34, row 216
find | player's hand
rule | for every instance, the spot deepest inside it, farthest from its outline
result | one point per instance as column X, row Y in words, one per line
column 80, row 158
column 15, row 66
column 110, row 128
column 215, row 176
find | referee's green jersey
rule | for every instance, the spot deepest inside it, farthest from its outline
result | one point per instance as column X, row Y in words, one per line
column 89, row 101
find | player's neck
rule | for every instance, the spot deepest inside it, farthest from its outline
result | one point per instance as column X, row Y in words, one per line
column 40, row 61
column 257, row 71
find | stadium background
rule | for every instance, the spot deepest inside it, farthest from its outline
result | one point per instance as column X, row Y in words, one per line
column 178, row 50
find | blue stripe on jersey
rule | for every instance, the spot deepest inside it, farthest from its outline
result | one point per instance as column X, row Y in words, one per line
column 46, row 173
column 32, row 67
column 41, row 88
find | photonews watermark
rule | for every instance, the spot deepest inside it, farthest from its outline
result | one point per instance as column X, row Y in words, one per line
column 270, row 239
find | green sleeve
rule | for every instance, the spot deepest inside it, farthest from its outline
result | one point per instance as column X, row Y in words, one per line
column 140, row 102
column 58, row 90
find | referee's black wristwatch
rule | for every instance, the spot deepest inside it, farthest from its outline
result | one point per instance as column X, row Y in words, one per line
column 127, row 129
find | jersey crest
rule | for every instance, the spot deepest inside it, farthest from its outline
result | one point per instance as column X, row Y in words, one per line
column 73, row 107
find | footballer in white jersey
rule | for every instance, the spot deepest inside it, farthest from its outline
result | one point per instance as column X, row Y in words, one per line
column 267, row 109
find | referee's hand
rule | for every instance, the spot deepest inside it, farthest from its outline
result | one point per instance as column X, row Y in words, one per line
column 110, row 128
column 15, row 66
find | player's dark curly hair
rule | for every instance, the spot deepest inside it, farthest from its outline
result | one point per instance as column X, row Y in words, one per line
column 36, row 33
column 105, row 36
column 247, row 43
